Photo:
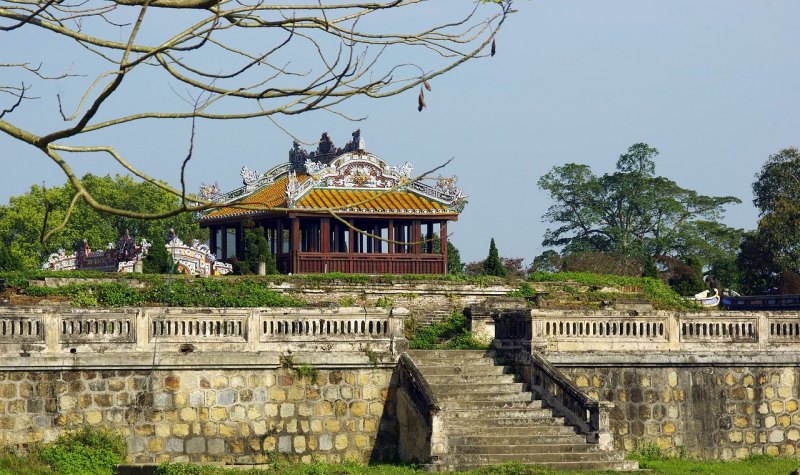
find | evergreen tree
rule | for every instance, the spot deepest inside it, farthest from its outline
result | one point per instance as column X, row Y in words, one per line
column 454, row 264
column 492, row 265
column 256, row 250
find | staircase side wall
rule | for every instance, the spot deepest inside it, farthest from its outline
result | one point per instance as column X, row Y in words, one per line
column 414, row 434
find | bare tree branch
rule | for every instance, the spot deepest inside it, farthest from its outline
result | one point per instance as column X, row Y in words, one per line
column 244, row 59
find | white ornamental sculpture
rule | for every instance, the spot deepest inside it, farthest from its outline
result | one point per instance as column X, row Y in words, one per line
column 196, row 259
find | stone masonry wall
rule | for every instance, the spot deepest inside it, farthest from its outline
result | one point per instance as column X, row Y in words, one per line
column 427, row 301
column 713, row 412
column 243, row 416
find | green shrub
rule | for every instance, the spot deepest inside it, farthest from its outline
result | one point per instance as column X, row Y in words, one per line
column 116, row 294
column 86, row 452
column 450, row 334
column 83, row 298
column 655, row 290
column 219, row 293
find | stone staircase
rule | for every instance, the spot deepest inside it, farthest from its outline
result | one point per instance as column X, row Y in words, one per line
column 490, row 418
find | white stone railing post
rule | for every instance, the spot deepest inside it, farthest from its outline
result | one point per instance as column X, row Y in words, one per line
column 601, row 425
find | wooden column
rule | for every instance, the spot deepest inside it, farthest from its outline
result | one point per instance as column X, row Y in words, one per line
column 443, row 237
column 391, row 237
column 294, row 245
column 416, row 235
column 325, row 231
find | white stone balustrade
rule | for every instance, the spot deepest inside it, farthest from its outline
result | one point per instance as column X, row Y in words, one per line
column 42, row 331
column 575, row 331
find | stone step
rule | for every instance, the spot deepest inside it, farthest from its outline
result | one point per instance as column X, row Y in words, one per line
column 527, row 447
column 567, row 466
column 521, row 396
column 485, row 388
column 482, row 431
column 515, row 440
column 419, row 355
column 472, row 379
column 479, row 404
column 533, row 457
column 498, row 413
column 456, row 362
column 526, row 421
column 430, row 371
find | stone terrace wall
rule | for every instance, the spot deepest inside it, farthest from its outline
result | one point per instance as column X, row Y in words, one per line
column 199, row 384
column 426, row 300
column 715, row 412
column 242, row 416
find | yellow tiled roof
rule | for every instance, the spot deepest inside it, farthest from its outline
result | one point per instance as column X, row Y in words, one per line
column 360, row 200
column 345, row 200
column 271, row 196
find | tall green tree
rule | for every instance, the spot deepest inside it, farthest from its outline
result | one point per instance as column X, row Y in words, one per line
column 631, row 212
column 28, row 218
column 775, row 246
column 256, row 250
column 493, row 265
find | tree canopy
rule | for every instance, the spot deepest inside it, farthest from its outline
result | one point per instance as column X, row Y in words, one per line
column 774, row 247
column 630, row 212
column 24, row 220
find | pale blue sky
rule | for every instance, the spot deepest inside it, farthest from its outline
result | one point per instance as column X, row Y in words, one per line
column 713, row 85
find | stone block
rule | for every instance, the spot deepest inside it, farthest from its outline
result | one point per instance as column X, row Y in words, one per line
column 216, row 446
column 299, row 443
column 277, row 395
column 174, row 444
column 219, row 382
column 195, row 445
column 285, row 444
column 325, row 442
column 162, row 400
column 228, row 430
column 94, row 417
column 238, row 413
column 776, row 436
column 269, row 444
column 287, row 409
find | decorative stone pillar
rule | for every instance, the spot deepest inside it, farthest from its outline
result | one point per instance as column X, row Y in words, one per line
column 482, row 317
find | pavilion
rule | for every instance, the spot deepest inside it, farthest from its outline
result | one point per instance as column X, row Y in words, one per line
column 338, row 210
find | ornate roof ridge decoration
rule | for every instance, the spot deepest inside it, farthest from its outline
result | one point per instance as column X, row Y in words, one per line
column 349, row 167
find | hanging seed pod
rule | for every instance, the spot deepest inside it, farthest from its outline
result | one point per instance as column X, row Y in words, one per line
column 494, row 48
column 427, row 85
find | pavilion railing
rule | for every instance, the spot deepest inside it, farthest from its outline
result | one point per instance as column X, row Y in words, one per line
column 370, row 263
